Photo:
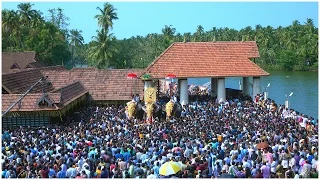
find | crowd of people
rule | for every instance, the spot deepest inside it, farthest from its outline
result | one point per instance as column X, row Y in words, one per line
column 210, row 139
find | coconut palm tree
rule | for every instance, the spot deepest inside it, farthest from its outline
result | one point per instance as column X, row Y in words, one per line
column 199, row 33
column 26, row 13
column 10, row 25
column 106, row 17
column 168, row 31
column 75, row 41
column 101, row 50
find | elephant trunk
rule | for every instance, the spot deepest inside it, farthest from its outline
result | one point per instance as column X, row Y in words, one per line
column 169, row 108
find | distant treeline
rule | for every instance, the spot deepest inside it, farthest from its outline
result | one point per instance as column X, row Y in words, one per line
column 293, row 48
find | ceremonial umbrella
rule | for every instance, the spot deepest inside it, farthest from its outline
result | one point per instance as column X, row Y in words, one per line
column 132, row 76
column 146, row 77
column 262, row 145
column 169, row 168
column 171, row 76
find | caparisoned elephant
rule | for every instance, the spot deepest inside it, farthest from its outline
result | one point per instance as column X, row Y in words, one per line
column 151, row 110
column 173, row 110
column 135, row 110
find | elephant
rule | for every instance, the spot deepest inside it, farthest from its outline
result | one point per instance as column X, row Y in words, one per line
column 173, row 109
column 135, row 110
column 151, row 110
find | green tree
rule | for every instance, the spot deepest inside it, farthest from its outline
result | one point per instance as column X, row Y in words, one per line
column 26, row 13
column 106, row 17
column 76, row 43
column 26, row 30
column 101, row 50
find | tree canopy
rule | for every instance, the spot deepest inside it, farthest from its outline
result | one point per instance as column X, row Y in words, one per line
column 294, row 47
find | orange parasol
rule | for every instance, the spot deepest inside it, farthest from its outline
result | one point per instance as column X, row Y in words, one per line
column 262, row 145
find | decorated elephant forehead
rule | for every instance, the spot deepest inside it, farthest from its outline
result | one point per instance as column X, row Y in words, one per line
column 150, row 95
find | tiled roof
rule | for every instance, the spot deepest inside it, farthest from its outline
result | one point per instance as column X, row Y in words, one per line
column 207, row 59
column 60, row 98
column 29, row 102
column 35, row 65
column 57, row 68
column 22, row 59
column 70, row 92
column 20, row 82
column 101, row 84
column 108, row 84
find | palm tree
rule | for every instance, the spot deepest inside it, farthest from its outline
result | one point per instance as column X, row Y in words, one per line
column 26, row 12
column 106, row 17
column 10, row 26
column 187, row 37
column 75, row 41
column 101, row 50
column 37, row 19
column 168, row 31
column 199, row 33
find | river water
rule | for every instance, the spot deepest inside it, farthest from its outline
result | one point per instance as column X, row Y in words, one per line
column 304, row 86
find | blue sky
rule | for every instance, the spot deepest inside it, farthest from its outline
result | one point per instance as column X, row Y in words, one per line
column 141, row 18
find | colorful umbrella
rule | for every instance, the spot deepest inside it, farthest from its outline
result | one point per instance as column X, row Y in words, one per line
column 169, row 168
column 171, row 76
column 146, row 77
column 262, row 145
column 132, row 75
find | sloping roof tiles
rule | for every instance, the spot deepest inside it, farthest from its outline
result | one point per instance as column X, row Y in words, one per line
column 22, row 59
column 207, row 59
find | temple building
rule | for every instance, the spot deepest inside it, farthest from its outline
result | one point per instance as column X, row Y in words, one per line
column 57, row 91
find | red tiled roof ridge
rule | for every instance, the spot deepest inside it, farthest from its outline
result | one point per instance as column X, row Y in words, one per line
column 71, row 84
column 35, row 69
column 50, row 67
column 94, row 68
column 32, row 94
column 83, row 69
column 213, row 42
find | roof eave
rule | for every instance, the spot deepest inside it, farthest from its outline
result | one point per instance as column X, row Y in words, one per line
column 147, row 68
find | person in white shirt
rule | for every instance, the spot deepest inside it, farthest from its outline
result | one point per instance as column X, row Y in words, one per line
column 151, row 175
column 292, row 162
column 314, row 163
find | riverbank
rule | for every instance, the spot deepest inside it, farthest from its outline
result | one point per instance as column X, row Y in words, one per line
column 288, row 68
column 304, row 86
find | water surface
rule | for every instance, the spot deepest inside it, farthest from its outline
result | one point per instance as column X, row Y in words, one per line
column 304, row 86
